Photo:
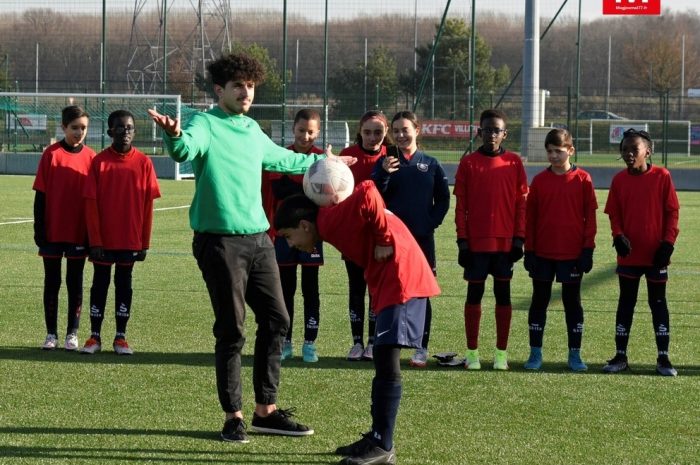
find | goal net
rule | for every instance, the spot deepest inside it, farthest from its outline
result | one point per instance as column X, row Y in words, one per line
column 32, row 121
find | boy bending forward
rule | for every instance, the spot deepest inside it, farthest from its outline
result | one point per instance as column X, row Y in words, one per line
column 399, row 281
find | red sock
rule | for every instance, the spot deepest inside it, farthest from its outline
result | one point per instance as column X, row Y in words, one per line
column 472, row 319
column 503, row 314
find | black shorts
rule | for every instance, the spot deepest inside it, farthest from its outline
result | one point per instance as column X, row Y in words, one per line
column 652, row 273
column 120, row 257
column 482, row 264
column 565, row 271
column 63, row 249
column 292, row 256
column 401, row 324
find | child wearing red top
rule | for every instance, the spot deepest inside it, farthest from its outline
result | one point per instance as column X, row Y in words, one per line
column 559, row 243
column 59, row 222
column 491, row 189
column 370, row 145
column 399, row 280
column 119, row 194
column 643, row 210
column 277, row 187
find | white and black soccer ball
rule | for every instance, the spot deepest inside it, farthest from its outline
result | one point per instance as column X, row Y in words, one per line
column 328, row 181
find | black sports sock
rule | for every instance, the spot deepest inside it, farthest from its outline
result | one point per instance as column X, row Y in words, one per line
column 386, row 394
column 573, row 313
column 312, row 302
column 98, row 297
column 629, row 288
column 660, row 316
column 537, row 314
column 123, row 294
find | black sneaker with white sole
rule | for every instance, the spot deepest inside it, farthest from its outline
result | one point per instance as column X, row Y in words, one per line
column 617, row 364
column 234, row 431
column 367, row 452
column 356, row 447
column 664, row 367
column 279, row 422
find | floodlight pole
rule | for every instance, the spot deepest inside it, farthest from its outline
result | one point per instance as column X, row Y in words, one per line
column 531, row 74
column 472, row 76
column 578, row 81
column 284, row 71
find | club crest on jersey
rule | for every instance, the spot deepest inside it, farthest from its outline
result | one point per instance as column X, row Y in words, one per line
column 422, row 167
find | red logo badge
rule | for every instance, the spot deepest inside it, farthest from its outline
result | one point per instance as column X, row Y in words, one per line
column 632, row 7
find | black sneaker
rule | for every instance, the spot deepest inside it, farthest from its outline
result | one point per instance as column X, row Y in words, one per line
column 356, row 447
column 664, row 367
column 367, row 452
column 280, row 422
column 234, row 431
column 617, row 364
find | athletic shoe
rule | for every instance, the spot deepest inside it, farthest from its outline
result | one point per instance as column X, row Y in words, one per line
column 50, row 343
column 71, row 342
column 308, row 352
column 664, row 367
column 368, row 353
column 356, row 352
column 92, row 346
column 575, row 362
column 280, row 422
column 471, row 361
column 535, row 360
column 121, row 347
column 500, row 360
column 287, row 350
column 367, row 452
column 234, row 431
column 356, row 447
column 419, row 358
column 616, row 364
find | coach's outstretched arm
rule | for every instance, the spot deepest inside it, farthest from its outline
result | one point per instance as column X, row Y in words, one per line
column 169, row 125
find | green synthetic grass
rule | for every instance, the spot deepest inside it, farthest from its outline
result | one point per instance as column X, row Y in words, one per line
column 160, row 405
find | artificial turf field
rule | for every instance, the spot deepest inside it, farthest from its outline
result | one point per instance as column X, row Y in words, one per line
column 160, row 407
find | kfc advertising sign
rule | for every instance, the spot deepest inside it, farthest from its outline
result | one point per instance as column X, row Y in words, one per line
column 632, row 7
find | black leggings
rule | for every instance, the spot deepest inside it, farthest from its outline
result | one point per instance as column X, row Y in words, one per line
column 629, row 289
column 573, row 312
column 74, row 286
column 309, row 292
column 123, row 294
column 356, row 304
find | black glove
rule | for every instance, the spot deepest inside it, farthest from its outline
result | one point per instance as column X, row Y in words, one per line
column 622, row 245
column 516, row 249
column 140, row 255
column 530, row 261
column 585, row 260
column 464, row 254
column 662, row 257
column 97, row 253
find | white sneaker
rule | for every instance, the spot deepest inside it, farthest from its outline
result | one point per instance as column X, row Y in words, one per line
column 368, row 353
column 50, row 343
column 71, row 343
column 419, row 359
column 356, row 352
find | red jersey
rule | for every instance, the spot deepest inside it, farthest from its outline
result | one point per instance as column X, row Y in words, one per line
column 362, row 170
column 561, row 214
column 61, row 176
column 359, row 223
column 491, row 192
column 645, row 209
column 122, row 185
column 270, row 202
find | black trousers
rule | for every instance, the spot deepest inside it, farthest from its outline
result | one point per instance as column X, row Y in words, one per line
column 240, row 270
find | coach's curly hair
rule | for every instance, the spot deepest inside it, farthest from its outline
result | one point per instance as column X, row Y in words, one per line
column 234, row 67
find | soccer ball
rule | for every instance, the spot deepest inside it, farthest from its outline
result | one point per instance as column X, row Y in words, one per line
column 328, row 181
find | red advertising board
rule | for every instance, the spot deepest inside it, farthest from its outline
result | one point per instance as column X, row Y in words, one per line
column 632, row 7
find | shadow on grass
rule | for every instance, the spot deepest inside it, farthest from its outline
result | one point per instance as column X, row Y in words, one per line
column 237, row 454
column 33, row 354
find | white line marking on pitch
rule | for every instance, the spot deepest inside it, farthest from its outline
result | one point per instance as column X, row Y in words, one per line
column 20, row 221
